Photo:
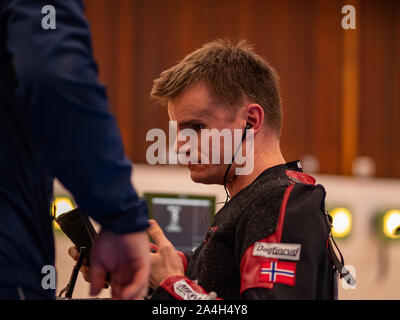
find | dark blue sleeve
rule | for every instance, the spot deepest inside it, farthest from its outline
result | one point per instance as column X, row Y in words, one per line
column 66, row 112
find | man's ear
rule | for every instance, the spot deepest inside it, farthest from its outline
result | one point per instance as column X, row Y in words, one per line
column 255, row 117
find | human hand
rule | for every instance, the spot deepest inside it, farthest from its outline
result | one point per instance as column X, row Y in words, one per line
column 165, row 262
column 126, row 257
column 85, row 269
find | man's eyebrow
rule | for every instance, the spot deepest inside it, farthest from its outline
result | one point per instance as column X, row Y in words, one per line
column 197, row 117
column 188, row 123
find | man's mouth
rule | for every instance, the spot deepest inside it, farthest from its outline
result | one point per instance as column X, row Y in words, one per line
column 191, row 165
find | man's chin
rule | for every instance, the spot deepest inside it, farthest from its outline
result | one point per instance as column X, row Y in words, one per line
column 202, row 174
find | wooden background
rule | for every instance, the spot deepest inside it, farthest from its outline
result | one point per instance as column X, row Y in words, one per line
column 340, row 88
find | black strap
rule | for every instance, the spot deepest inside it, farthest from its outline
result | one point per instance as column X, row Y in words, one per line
column 338, row 264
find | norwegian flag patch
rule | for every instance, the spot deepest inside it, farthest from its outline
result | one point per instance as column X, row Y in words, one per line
column 278, row 272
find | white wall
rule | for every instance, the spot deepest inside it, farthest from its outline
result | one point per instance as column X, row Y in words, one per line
column 376, row 264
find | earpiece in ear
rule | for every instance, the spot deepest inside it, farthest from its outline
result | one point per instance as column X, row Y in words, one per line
column 248, row 125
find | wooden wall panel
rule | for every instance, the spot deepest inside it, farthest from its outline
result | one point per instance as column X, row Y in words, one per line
column 395, row 123
column 101, row 21
column 325, row 97
column 350, row 95
column 379, row 84
column 296, row 73
column 134, row 40
column 148, row 59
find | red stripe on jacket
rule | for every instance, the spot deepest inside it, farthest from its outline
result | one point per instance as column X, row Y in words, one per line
column 250, row 265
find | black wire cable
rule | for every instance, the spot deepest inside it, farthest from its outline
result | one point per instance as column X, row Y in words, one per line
column 233, row 158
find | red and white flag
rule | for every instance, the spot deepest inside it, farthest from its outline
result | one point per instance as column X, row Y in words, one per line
column 278, row 272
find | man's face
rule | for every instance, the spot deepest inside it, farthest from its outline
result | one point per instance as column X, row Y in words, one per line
column 195, row 109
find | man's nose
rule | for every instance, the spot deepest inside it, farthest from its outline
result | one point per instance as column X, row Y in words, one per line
column 186, row 141
column 178, row 146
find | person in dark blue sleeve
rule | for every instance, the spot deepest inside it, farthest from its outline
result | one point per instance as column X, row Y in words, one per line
column 55, row 122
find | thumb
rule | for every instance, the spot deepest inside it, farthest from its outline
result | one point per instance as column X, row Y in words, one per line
column 73, row 253
column 156, row 233
column 97, row 278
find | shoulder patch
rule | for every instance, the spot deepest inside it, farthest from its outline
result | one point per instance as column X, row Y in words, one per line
column 284, row 251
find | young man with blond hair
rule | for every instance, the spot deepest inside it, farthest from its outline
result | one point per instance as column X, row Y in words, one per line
column 270, row 240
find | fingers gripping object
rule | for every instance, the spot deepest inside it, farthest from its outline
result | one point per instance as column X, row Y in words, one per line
column 79, row 229
column 81, row 232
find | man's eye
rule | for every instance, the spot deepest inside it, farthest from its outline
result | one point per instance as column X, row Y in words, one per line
column 198, row 127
